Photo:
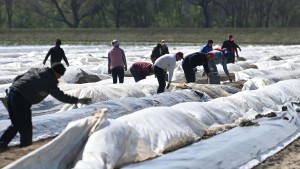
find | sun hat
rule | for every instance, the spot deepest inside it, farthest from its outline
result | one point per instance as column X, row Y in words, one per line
column 115, row 43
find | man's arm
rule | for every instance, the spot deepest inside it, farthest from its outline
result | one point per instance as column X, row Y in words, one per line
column 65, row 58
column 48, row 54
column 124, row 60
column 109, row 62
column 61, row 96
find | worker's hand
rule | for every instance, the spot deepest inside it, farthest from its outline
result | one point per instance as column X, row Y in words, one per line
column 68, row 65
column 240, row 49
column 230, row 78
column 194, row 69
column 109, row 71
column 85, row 101
column 44, row 62
column 168, row 85
column 125, row 68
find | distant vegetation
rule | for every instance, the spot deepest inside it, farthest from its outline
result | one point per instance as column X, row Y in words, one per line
column 151, row 35
column 149, row 13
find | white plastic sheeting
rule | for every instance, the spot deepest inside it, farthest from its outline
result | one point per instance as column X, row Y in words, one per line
column 60, row 152
column 100, row 93
column 161, row 129
column 52, row 124
column 240, row 147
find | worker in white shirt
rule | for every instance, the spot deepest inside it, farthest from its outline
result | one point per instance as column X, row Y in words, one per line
column 163, row 64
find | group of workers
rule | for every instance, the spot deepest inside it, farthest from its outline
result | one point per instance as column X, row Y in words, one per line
column 37, row 83
column 207, row 56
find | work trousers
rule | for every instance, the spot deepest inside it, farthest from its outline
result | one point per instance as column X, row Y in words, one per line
column 117, row 72
column 189, row 74
column 160, row 75
column 20, row 117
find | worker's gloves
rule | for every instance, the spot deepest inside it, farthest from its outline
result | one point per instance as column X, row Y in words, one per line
column 85, row 101
column 168, row 85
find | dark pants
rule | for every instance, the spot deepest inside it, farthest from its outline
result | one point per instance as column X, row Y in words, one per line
column 137, row 76
column 188, row 72
column 117, row 72
column 20, row 117
column 160, row 75
column 231, row 59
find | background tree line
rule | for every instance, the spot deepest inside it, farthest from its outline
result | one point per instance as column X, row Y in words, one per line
column 148, row 13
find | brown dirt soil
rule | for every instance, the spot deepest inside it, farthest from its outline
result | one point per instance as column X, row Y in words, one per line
column 14, row 153
column 287, row 158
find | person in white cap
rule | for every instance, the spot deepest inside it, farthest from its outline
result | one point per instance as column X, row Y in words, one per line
column 117, row 62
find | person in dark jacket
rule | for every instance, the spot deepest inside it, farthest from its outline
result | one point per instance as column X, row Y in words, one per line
column 231, row 47
column 28, row 89
column 140, row 70
column 156, row 53
column 57, row 54
column 190, row 62
column 164, row 48
column 159, row 50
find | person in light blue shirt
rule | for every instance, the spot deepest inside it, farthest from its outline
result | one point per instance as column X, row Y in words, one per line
column 208, row 47
column 215, row 57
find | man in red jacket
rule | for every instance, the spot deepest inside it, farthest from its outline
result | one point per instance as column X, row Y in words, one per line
column 140, row 70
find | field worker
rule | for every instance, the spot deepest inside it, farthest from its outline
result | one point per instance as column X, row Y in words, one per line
column 156, row 52
column 116, row 62
column 218, row 56
column 28, row 89
column 140, row 70
column 163, row 64
column 190, row 63
column 231, row 47
column 208, row 47
column 164, row 48
column 159, row 50
column 57, row 54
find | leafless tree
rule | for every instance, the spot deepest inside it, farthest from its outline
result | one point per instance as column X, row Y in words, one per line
column 204, row 4
column 262, row 11
column 9, row 12
column 71, row 12
column 283, row 10
column 243, row 8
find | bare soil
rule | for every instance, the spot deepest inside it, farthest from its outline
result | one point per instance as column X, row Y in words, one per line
column 288, row 158
column 14, row 153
